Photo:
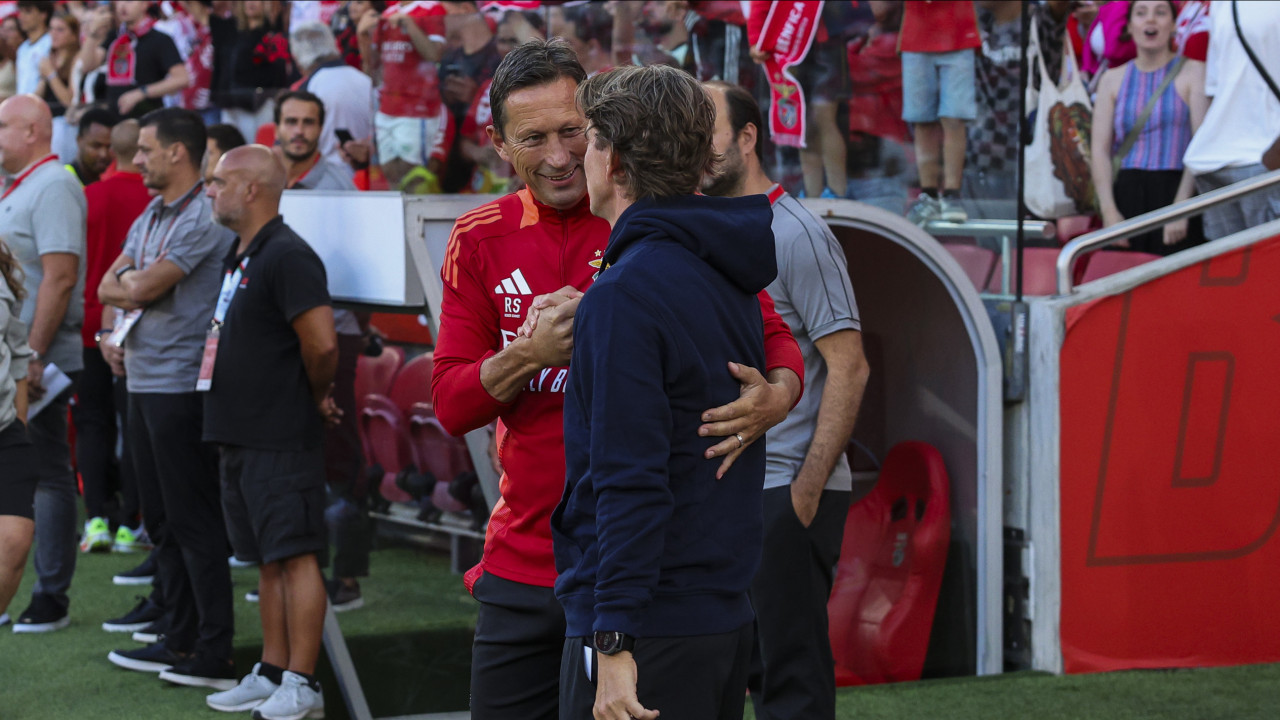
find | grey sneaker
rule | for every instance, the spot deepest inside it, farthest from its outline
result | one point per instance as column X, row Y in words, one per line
column 949, row 210
column 293, row 700
column 924, row 209
column 252, row 691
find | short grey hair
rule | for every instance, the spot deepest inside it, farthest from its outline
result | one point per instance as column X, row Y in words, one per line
column 311, row 42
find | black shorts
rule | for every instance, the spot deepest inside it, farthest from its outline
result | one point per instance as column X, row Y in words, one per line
column 273, row 501
column 20, row 472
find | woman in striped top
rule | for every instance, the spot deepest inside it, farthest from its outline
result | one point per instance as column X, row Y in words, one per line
column 1151, row 174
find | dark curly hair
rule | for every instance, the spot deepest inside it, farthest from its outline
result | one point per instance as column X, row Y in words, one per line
column 659, row 121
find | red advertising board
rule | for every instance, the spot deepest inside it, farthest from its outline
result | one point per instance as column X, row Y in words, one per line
column 1170, row 470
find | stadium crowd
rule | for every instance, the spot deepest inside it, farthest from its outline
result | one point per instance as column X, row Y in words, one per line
column 146, row 146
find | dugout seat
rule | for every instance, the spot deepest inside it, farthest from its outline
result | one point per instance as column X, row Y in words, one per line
column 890, row 570
column 383, row 428
column 374, row 375
column 439, row 453
column 413, row 383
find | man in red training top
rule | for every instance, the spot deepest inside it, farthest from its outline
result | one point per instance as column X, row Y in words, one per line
column 500, row 258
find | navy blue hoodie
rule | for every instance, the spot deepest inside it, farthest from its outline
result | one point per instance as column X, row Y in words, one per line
column 647, row 541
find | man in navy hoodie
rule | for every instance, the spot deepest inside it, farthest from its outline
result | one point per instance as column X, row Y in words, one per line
column 655, row 555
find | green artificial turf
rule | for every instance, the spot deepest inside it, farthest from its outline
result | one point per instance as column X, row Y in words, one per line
column 411, row 643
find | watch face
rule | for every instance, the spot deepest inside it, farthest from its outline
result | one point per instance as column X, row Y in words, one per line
column 606, row 642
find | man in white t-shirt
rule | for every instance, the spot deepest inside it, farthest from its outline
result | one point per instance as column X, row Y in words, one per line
column 1243, row 118
column 347, row 93
column 33, row 18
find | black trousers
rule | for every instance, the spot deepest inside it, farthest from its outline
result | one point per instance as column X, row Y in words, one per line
column 350, row 529
column 792, row 671
column 515, row 658
column 95, row 417
column 181, row 501
column 703, row 677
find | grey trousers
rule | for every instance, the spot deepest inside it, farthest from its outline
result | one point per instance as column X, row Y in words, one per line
column 56, row 500
column 1249, row 211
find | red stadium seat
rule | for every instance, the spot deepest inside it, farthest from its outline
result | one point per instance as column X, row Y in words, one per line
column 439, row 453
column 1041, row 276
column 890, row 571
column 977, row 262
column 413, row 383
column 1073, row 226
column 375, row 374
column 1110, row 262
column 383, row 426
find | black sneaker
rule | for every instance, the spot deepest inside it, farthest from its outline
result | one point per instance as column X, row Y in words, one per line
column 202, row 671
column 152, row 658
column 153, row 632
column 344, row 597
column 142, row 615
column 44, row 614
column 141, row 575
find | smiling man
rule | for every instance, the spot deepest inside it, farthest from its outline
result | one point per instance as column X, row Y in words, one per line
column 502, row 258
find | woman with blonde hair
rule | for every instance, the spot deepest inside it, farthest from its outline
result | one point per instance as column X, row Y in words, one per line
column 17, row 454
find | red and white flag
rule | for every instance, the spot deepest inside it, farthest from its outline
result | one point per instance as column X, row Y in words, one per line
column 788, row 32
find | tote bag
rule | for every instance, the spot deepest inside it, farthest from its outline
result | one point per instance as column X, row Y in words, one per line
column 1058, row 181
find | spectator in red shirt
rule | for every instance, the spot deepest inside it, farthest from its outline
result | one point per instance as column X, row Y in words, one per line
column 113, row 205
column 938, row 98
column 407, row 41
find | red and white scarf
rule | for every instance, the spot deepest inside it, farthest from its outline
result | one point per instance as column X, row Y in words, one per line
column 788, row 32
column 122, row 55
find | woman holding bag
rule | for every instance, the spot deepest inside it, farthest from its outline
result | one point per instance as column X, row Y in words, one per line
column 1146, row 112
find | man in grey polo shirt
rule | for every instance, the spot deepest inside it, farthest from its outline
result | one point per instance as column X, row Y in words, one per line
column 807, row 478
column 167, row 280
column 42, row 220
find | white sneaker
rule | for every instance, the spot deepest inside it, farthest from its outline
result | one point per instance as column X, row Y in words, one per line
column 950, row 210
column 4, row 619
column 923, row 210
column 293, row 700
column 252, row 691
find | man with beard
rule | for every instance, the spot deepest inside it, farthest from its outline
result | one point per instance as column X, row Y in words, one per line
column 166, row 281
column 300, row 116
column 807, row 477
column 299, row 119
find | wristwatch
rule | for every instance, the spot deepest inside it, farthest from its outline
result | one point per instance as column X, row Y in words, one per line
column 103, row 333
column 120, row 273
column 612, row 643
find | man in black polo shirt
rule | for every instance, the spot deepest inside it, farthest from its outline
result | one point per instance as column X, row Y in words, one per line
column 269, row 365
column 142, row 64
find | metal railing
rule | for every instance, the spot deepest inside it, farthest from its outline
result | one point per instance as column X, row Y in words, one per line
column 1004, row 230
column 1072, row 251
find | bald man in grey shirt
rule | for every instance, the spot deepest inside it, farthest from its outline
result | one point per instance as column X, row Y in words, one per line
column 42, row 220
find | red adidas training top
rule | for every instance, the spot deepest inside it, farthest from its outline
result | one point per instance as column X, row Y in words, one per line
column 500, row 256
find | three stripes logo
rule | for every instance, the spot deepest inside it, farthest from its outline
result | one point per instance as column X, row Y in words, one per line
column 514, row 285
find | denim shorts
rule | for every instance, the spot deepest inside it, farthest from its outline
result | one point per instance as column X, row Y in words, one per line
column 938, row 85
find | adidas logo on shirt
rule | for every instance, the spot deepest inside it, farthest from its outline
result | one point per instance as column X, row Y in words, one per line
column 514, row 285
